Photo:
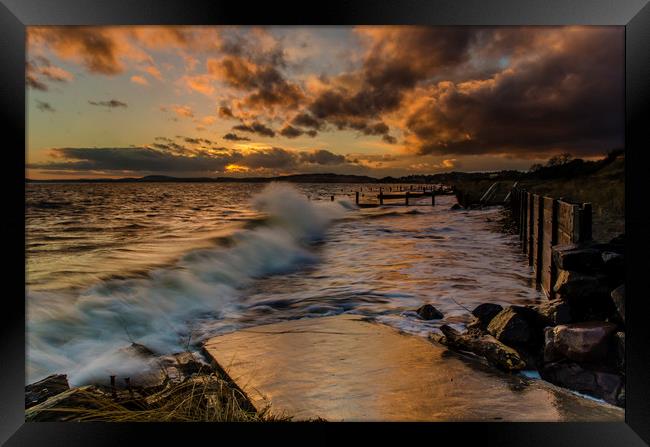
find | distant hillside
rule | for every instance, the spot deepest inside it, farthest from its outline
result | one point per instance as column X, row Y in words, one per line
column 296, row 178
column 611, row 165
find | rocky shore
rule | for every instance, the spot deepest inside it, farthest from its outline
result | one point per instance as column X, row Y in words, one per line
column 182, row 388
column 575, row 340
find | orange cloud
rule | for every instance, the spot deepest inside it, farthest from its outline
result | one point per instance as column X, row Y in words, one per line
column 199, row 83
column 153, row 71
column 183, row 111
column 139, row 80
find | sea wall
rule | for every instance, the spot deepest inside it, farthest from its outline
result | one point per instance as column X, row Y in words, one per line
column 575, row 339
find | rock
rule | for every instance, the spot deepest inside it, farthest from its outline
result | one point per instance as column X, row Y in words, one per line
column 574, row 287
column 179, row 367
column 428, row 312
column 618, row 240
column 147, row 380
column 486, row 312
column 600, row 383
column 580, row 342
column 485, row 346
column 579, row 259
column 456, row 206
column 614, row 266
column 514, row 326
column 43, row 389
column 149, row 377
column 618, row 298
column 619, row 340
column 553, row 312
column 475, row 325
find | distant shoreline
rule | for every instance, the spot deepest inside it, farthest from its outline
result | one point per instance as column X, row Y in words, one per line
column 295, row 178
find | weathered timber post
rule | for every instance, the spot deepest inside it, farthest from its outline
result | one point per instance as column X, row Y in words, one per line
column 538, row 230
column 529, row 228
column 356, row 198
column 523, row 204
column 433, row 198
column 406, row 198
column 381, row 197
column 113, row 392
column 332, row 198
column 549, row 239
column 585, row 223
column 555, row 230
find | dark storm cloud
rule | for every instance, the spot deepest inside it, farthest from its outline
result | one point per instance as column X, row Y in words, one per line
column 398, row 59
column 291, row 132
column 111, row 104
column 225, row 112
column 133, row 159
column 306, row 120
column 263, row 81
column 322, row 157
column 164, row 158
column 570, row 99
column 257, row 128
column 191, row 140
column 34, row 83
column 477, row 90
column 44, row 106
column 39, row 70
column 273, row 158
column 234, row 137
column 96, row 48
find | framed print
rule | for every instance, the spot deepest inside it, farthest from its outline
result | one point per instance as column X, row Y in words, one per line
column 265, row 219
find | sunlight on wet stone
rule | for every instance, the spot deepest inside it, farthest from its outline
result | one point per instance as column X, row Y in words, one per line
column 344, row 368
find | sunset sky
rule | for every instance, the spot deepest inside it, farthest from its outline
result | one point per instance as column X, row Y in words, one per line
column 259, row 101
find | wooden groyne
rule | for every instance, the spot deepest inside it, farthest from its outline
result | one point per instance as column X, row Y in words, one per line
column 390, row 195
column 544, row 223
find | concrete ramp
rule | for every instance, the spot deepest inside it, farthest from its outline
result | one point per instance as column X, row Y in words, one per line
column 346, row 369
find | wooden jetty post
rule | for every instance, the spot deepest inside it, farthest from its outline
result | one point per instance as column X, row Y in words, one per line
column 356, row 197
column 332, row 197
column 406, row 199
column 433, row 198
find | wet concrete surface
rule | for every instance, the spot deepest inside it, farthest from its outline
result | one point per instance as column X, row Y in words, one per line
column 345, row 368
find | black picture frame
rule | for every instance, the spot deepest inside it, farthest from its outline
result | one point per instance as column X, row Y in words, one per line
column 15, row 15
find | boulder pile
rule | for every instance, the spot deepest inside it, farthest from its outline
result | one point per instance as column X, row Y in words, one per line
column 575, row 340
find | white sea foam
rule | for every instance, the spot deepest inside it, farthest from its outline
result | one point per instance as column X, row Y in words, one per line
column 83, row 339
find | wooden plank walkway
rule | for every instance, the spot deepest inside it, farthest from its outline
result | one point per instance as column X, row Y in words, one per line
column 343, row 368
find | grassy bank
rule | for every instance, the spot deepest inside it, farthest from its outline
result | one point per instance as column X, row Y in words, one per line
column 189, row 392
column 601, row 183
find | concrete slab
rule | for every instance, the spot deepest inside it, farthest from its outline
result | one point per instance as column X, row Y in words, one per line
column 343, row 368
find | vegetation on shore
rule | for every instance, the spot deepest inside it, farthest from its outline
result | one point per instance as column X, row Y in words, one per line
column 601, row 183
column 188, row 391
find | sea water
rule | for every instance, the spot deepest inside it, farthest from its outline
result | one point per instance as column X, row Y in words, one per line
column 168, row 265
